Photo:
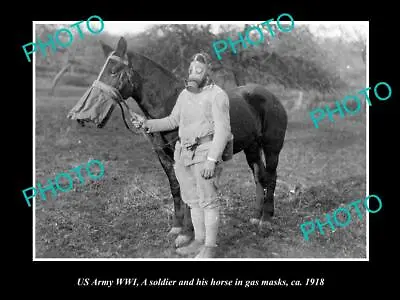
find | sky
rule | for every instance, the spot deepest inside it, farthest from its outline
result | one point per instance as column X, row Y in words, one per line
column 326, row 28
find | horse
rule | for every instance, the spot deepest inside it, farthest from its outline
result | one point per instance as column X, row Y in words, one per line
column 258, row 124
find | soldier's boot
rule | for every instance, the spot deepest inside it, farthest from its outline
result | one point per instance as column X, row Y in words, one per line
column 207, row 252
column 194, row 247
column 211, row 221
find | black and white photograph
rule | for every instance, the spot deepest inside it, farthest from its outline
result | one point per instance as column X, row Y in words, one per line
column 201, row 140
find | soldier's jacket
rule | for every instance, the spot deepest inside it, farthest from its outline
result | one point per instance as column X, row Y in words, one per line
column 199, row 115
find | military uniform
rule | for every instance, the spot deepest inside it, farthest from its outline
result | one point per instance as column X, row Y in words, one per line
column 203, row 117
column 205, row 140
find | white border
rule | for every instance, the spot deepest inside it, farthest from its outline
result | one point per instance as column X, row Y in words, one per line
column 188, row 259
column 367, row 137
column 34, row 142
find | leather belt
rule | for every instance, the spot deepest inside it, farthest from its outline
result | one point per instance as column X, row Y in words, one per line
column 198, row 141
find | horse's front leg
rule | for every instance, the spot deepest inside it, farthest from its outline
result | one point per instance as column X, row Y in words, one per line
column 182, row 223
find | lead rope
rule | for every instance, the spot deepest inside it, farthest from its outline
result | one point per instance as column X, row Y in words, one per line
column 117, row 97
column 123, row 118
column 147, row 135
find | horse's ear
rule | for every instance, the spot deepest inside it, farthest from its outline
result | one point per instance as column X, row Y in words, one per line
column 121, row 47
column 106, row 49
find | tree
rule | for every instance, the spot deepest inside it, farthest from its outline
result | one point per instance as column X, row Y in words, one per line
column 295, row 59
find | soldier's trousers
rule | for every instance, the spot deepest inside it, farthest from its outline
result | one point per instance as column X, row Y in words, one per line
column 197, row 191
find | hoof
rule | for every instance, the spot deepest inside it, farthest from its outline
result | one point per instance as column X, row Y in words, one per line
column 265, row 225
column 182, row 240
column 174, row 231
column 255, row 221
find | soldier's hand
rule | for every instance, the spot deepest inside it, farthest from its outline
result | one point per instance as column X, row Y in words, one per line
column 208, row 169
column 137, row 123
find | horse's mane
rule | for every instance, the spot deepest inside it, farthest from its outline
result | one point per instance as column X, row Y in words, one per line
column 132, row 54
column 160, row 86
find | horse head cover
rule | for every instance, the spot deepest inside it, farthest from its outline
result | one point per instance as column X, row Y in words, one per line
column 98, row 102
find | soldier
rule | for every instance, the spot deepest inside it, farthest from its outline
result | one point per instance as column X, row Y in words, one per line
column 205, row 140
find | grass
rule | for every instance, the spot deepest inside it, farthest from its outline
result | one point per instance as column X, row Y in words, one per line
column 124, row 215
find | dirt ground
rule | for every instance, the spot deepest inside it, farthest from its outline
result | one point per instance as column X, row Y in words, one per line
column 126, row 213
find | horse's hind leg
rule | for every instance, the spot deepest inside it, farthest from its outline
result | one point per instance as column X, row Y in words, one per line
column 271, row 164
column 254, row 160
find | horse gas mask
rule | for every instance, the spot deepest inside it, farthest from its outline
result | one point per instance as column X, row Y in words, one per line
column 99, row 100
column 199, row 71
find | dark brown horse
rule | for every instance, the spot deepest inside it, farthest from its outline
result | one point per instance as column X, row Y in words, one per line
column 258, row 122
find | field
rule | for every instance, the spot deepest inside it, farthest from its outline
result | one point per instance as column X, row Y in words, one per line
column 127, row 213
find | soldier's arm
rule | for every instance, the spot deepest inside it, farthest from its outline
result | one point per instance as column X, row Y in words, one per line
column 168, row 123
column 222, row 125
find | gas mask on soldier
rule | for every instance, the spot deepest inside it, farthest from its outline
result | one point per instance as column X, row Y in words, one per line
column 199, row 71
